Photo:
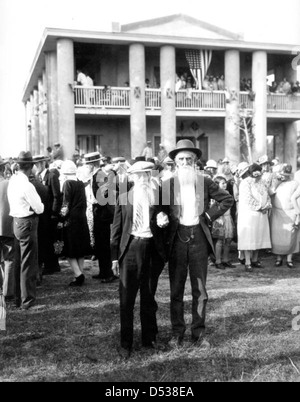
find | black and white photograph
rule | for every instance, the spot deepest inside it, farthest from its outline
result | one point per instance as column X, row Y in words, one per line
column 149, row 194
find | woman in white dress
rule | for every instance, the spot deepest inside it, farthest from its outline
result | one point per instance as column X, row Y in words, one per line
column 285, row 232
column 253, row 221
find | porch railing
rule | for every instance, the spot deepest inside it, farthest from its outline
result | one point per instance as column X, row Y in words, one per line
column 119, row 98
column 105, row 97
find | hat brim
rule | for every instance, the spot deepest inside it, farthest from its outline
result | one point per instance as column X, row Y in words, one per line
column 195, row 151
column 22, row 162
column 92, row 161
column 140, row 171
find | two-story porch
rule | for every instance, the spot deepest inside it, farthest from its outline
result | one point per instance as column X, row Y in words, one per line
column 120, row 119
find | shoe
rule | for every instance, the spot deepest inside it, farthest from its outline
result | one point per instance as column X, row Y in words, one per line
column 289, row 264
column 109, row 280
column 220, row 266
column 243, row 262
column 278, row 263
column 124, row 353
column 175, row 342
column 228, row 264
column 78, row 281
column 257, row 264
column 97, row 277
column 150, row 345
column 248, row 268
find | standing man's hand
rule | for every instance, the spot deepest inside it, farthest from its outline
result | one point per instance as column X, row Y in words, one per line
column 116, row 268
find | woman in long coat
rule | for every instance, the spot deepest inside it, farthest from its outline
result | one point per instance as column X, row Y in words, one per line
column 285, row 232
column 75, row 227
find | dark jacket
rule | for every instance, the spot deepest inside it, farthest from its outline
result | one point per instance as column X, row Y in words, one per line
column 122, row 228
column 206, row 190
column 51, row 180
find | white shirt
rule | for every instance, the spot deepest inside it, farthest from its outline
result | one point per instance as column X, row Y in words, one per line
column 145, row 230
column 82, row 79
column 23, row 198
column 188, row 215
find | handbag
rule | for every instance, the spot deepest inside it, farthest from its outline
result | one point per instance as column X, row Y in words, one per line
column 59, row 243
column 2, row 313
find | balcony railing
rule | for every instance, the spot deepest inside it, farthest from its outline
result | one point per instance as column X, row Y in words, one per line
column 95, row 97
column 119, row 98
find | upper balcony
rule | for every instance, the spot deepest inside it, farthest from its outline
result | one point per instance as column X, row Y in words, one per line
column 116, row 101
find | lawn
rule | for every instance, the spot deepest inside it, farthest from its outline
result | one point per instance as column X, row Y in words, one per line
column 74, row 334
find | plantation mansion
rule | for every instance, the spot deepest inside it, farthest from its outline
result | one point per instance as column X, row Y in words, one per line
column 119, row 113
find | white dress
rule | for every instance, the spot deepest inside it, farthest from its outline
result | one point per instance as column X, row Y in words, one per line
column 253, row 226
column 285, row 239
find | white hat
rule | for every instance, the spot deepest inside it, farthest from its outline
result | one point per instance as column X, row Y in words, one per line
column 242, row 168
column 211, row 164
column 139, row 167
column 92, row 157
column 68, row 168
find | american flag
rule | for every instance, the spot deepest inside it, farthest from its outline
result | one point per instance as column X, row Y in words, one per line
column 199, row 62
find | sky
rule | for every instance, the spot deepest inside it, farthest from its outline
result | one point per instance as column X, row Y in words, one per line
column 22, row 24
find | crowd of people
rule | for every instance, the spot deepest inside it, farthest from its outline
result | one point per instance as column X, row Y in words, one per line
column 136, row 216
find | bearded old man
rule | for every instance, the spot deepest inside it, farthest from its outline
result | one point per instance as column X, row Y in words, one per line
column 186, row 205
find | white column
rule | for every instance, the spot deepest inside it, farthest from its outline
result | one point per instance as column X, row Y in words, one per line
column 52, row 112
column 137, row 99
column 232, row 119
column 65, row 96
column 168, row 106
column 290, row 144
column 259, row 82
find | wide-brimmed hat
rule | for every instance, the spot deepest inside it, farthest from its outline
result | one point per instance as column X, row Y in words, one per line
column 68, row 168
column 40, row 158
column 243, row 167
column 119, row 159
column 92, row 157
column 25, row 157
column 140, row 167
column 185, row 145
column 263, row 160
column 211, row 164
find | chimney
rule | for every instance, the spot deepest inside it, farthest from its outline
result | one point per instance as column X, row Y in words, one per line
column 116, row 27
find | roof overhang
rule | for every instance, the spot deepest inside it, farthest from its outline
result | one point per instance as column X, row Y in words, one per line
column 51, row 35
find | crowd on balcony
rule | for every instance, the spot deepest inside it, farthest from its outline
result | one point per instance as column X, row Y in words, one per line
column 53, row 209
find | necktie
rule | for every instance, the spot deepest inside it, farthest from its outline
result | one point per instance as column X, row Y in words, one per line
column 140, row 200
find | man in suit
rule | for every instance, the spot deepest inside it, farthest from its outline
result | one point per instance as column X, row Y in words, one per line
column 48, row 223
column 186, row 206
column 103, row 213
column 6, row 239
column 136, row 239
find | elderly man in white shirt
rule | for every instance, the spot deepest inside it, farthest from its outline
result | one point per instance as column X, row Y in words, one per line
column 25, row 206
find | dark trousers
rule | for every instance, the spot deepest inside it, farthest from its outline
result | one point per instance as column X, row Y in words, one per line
column 7, row 277
column 102, row 248
column 189, row 253
column 26, row 259
column 135, row 276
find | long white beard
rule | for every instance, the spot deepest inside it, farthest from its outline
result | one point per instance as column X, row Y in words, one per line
column 187, row 176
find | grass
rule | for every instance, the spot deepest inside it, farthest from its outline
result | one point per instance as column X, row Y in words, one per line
column 74, row 335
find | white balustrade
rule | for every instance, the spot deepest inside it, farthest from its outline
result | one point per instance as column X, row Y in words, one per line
column 119, row 98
